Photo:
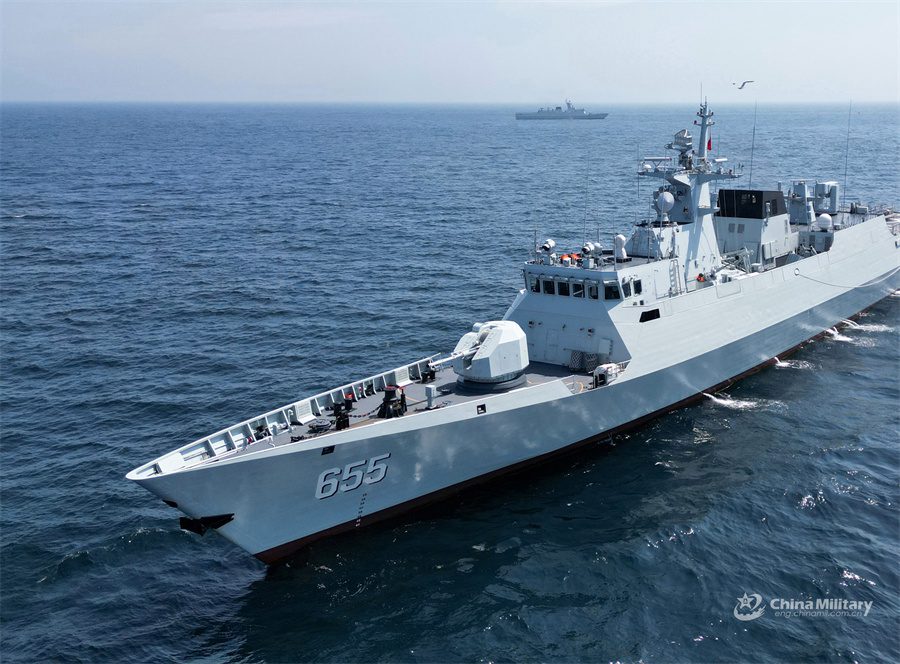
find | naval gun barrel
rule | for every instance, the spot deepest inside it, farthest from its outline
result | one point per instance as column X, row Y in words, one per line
column 454, row 356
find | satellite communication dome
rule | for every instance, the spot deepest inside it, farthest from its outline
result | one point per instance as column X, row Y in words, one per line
column 664, row 202
column 824, row 221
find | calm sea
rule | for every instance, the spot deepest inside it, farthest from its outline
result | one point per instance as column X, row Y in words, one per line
column 168, row 270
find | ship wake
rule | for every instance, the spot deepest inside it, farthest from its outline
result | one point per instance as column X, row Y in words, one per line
column 734, row 404
column 857, row 329
column 837, row 336
column 873, row 327
column 793, row 364
column 739, row 404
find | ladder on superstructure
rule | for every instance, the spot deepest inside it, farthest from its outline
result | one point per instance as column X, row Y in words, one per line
column 674, row 280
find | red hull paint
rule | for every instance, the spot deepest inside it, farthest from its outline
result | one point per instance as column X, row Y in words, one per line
column 284, row 551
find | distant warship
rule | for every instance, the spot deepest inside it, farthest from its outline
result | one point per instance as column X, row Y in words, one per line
column 598, row 341
column 560, row 113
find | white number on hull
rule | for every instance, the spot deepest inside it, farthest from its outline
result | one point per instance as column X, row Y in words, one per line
column 352, row 476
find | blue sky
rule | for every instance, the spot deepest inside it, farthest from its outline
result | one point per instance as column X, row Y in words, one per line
column 532, row 53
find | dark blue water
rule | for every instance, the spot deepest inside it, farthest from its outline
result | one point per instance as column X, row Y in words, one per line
column 168, row 270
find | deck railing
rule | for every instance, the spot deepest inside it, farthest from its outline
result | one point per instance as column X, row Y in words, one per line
column 235, row 437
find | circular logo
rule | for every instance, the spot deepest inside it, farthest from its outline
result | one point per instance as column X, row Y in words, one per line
column 749, row 607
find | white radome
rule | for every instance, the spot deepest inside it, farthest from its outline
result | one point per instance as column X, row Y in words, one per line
column 824, row 221
column 665, row 202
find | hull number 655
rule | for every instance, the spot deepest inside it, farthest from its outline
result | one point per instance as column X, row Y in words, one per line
column 352, row 476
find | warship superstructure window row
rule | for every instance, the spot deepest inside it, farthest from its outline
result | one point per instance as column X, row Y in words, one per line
column 567, row 287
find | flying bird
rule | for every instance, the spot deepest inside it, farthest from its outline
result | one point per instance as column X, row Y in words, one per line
column 741, row 86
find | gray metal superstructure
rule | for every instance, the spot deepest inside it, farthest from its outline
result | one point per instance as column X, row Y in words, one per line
column 560, row 113
column 597, row 341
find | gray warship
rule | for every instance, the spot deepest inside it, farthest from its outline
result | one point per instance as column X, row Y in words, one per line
column 560, row 113
column 598, row 340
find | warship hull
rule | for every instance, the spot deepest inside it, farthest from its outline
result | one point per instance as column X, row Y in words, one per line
column 704, row 340
column 561, row 116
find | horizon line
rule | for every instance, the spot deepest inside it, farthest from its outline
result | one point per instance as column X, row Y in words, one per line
column 320, row 102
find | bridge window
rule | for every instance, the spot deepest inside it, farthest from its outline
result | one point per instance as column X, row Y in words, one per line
column 562, row 288
column 548, row 287
column 593, row 291
column 577, row 290
column 637, row 287
column 626, row 289
column 611, row 290
column 534, row 284
column 740, row 228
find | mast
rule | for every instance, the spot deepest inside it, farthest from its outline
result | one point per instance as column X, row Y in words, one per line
column 685, row 193
column 706, row 122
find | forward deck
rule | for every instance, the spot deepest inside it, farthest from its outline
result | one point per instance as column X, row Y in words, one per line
column 449, row 393
column 299, row 421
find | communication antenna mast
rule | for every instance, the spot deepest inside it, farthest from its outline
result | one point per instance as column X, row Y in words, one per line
column 847, row 154
column 638, row 176
column 584, row 219
column 752, row 144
